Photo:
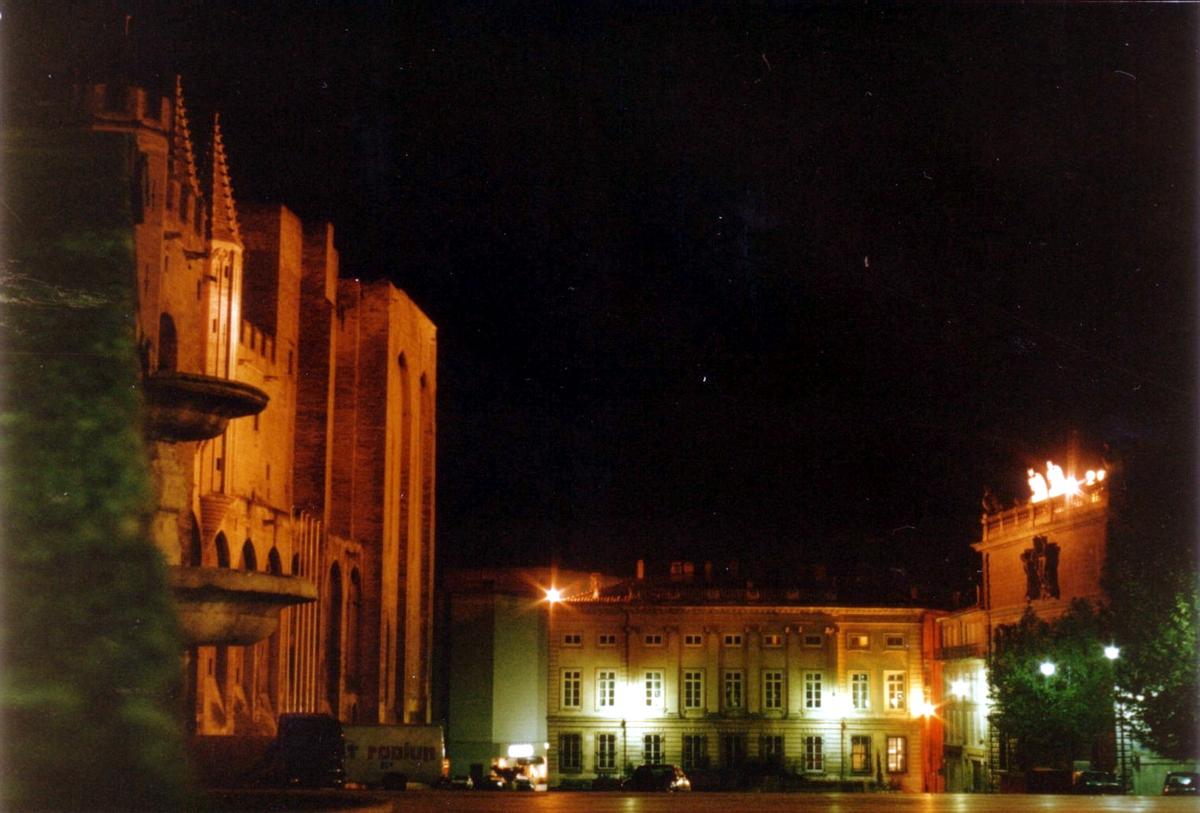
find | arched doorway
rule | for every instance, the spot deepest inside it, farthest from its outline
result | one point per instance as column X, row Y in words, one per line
column 168, row 343
column 333, row 643
column 249, row 557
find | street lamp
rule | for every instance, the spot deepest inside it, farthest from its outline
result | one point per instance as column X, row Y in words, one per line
column 1047, row 668
column 1112, row 652
column 840, row 706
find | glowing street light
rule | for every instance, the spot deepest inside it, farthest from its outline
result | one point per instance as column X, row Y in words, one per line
column 553, row 595
column 1047, row 668
column 1112, row 652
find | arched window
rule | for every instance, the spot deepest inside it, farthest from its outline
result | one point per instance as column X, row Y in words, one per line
column 274, row 565
column 195, row 553
column 222, row 546
column 353, row 619
column 168, row 343
column 249, row 558
column 333, row 647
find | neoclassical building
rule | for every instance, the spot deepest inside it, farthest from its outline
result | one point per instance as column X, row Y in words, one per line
column 707, row 676
column 306, row 476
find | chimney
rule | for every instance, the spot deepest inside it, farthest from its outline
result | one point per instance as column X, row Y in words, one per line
column 641, row 569
column 595, row 582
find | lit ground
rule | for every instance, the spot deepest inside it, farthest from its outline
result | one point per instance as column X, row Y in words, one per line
column 468, row 801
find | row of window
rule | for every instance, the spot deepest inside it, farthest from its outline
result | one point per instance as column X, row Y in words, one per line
column 733, row 689
column 694, row 752
column 854, row 640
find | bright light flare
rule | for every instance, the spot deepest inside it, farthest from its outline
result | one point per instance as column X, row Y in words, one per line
column 1112, row 652
column 1054, row 483
column 1047, row 668
column 553, row 595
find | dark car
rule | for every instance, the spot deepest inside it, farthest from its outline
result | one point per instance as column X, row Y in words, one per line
column 1098, row 782
column 492, row 781
column 659, row 778
column 1181, row 783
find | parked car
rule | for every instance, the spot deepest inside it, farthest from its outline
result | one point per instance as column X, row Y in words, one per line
column 1181, row 783
column 1097, row 782
column 668, row 778
column 492, row 781
column 459, row 782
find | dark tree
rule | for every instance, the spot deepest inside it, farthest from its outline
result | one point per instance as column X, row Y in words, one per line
column 1151, row 577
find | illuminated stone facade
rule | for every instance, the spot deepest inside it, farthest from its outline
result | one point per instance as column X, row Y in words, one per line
column 1040, row 555
column 711, row 677
column 333, row 482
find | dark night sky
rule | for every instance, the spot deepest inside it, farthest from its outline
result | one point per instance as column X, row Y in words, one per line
column 788, row 284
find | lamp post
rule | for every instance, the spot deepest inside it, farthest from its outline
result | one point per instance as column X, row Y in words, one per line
column 1112, row 652
column 841, row 708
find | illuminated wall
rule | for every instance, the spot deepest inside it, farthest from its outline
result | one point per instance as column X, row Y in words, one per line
column 824, row 690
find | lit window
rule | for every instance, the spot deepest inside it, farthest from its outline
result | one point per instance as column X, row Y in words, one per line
column 733, row 639
column 606, row 752
column 653, row 639
column 814, row 754
column 570, row 752
column 860, row 691
column 606, row 639
column 693, row 639
column 858, row 640
column 606, row 689
column 860, row 754
column 893, row 641
column 654, row 689
column 813, row 640
column 773, row 689
column 570, row 688
column 572, row 639
column 897, row 754
column 772, row 640
column 695, row 751
column 652, row 753
column 693, row 689
column 733, row 689
column 893, row 685
column 812, row 690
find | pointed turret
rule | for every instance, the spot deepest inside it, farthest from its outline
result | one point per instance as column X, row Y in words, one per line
column 223, row 222
column 183, row 159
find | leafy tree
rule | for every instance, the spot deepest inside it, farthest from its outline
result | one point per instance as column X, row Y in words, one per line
column 1156, row 607
column 1057, row 718
column 89, row 694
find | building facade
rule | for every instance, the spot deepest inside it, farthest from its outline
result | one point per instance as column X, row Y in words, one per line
column 1040, row 555
column 333, row 482
column 711, row 678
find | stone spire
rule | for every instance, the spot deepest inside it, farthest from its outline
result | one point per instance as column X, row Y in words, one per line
column 183, row 159
column 223, row 223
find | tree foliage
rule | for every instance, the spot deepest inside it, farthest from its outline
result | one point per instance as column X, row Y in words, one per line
column 1054, row 719
column 89, row 693
column 1151, row 577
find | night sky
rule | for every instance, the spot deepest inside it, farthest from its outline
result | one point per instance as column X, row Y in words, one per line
column 785, row 285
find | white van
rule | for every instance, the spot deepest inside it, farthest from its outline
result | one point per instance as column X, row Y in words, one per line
column 391, row 756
